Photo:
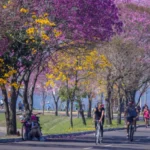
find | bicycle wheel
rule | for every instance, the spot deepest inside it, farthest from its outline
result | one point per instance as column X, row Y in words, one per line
column 97, row 134
column 131, row 133
column 23, row 132
column 101, row 134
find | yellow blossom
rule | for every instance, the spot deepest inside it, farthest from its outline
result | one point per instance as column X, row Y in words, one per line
column 31, row 30
column 2, row 81
column 1, row 60
column 45, row 22
column 43, row 42
column 4, row 6
column 34, row 51
column 46, row 14
column 31, row 38
column 11, row 72
column 33, row 16
column 15, row 85
column 23, row 10
column 57, row 33
column 52, row 24
column 9, row 2
column 6, row 75
column 45, row 37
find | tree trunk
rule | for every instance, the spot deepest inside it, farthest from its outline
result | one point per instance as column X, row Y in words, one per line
column 56, row 108
column 120, row 97
column 56, row 99
column 30, row 103
column 7, row 112
column 43, row 108
column 71, row 115
column 10, row 111
column 112, row 112
column 13, row 125
column 32, row 90
column 67, row 108
column 89, row 106
column 109, row 97
column 119, row 111
column 82, row 113
column 108, row 113
column 130, row 95
column 108, row 106
column 25, row 99
column 25, row 94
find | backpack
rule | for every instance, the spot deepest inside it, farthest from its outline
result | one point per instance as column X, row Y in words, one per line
column 131, row 112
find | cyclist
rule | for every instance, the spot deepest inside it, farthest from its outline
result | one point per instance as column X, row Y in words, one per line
column 131, row 114
column 99, row 115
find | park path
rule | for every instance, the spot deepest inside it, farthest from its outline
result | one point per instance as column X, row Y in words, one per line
column 113, row 140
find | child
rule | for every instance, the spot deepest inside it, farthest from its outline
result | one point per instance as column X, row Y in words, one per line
column 146, row 116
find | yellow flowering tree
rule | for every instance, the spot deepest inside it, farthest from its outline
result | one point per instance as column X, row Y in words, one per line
column 26, row 37
column 73, row 69
column 30, row 31
column 6, row 72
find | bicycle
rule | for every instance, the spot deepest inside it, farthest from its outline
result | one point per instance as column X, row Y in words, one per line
column 98, row 133
column 131, row 131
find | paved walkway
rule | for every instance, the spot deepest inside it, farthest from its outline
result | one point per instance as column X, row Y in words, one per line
column 114, row 140
column 2, row 131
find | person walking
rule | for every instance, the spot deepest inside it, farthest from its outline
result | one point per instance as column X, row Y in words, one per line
column 20, row 106
column 146, row 114
column 1, row 104
column 143, row 110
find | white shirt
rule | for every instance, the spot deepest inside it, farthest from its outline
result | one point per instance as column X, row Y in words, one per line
column 1, row 101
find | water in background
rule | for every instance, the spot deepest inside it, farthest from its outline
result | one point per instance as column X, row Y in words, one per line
column 145, row 99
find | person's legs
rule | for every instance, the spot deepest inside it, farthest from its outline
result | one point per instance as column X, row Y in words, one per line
column 95, row 124
column 39, row 132
column 143, row 118
column 128, row 123
column 129, row 120
column 134, row 122
column 34, row 133
column 145, row 122
column 102, row 127
column 19, row 108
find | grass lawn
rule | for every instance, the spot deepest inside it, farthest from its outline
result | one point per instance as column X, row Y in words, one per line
column 54, row 125
column 61, row 124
